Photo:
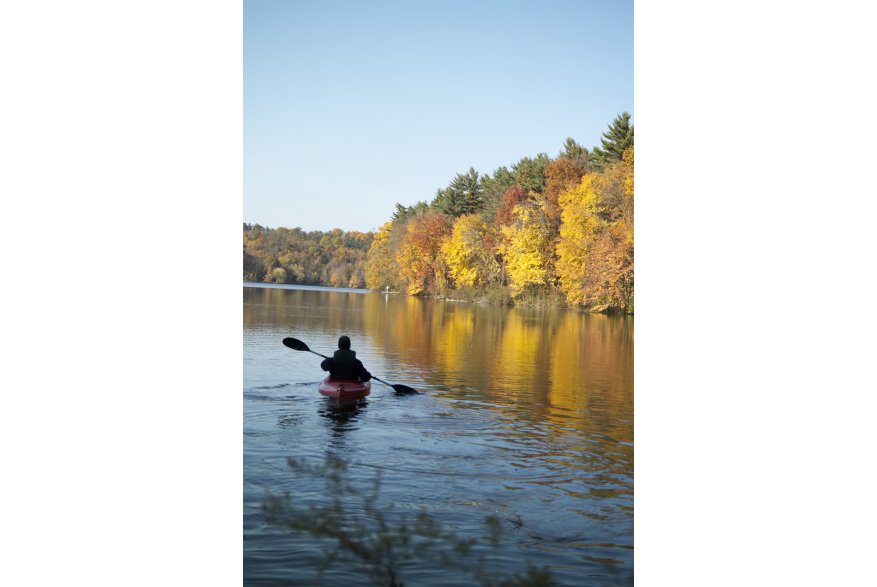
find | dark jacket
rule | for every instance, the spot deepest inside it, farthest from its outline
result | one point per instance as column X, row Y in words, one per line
column 349, row 367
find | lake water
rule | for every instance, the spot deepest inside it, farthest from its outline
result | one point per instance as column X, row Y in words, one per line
column 526, row 415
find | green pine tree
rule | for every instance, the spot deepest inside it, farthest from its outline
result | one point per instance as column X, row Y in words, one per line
column 449, row 201
column 529, row 173
column 469, row 187
column 462, row 196
column 402, row 213
column 494, row 188
column 616, row 142
column 576, row 152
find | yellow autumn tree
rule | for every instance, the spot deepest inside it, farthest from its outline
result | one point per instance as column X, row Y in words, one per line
column 470, row 252
column 627, row 206
column 595, row 251
column 528, row 264
column 628, row 158
column 380, row 267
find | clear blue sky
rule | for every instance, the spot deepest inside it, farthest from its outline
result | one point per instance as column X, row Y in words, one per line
column 350, row 107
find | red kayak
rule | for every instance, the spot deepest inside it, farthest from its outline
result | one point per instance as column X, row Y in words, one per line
column 345, row 388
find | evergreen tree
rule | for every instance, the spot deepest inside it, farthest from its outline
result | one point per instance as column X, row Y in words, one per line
column 470, row 188
column 462, row 196
column 402, row 214
column 616, row 142
column 494, row 188
column 576, row 153
column 529, row 173
column 449, row 201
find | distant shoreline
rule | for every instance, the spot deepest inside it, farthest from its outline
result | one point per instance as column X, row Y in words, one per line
column 309, row 287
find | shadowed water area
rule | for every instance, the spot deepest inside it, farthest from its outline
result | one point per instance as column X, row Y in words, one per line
column 526, row 415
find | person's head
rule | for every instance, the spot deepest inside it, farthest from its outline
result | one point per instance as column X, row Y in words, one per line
column 344, row 342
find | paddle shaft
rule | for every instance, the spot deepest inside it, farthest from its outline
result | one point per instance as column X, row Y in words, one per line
column 384, row 382
column 298, row 345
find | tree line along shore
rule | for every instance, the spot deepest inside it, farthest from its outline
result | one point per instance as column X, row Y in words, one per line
column 543, row 231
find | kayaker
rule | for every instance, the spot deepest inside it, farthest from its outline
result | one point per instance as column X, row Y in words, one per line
column 345, row 365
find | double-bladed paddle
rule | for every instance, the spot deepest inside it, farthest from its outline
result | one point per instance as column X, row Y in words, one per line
column 297, row 345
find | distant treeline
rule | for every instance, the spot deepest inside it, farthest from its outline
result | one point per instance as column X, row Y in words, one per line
column 544, row 229
column 291, row 255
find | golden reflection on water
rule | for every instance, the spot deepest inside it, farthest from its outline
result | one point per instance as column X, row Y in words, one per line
column 562, row 369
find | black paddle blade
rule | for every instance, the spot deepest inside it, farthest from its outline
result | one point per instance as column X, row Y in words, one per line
column 398, row 388
column 403, row 388
column 295, row 344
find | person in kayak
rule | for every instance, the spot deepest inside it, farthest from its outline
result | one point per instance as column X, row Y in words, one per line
column 345, row 365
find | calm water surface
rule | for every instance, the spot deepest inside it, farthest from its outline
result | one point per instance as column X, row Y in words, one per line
column 526, row 414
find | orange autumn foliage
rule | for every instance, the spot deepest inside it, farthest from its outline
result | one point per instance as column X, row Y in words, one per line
column 513, row 196
column 421, row 262
column 561, row 175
